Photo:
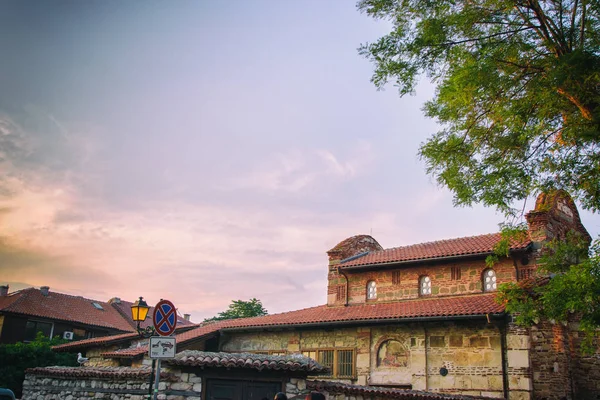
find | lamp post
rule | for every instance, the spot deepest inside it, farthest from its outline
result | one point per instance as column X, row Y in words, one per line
column 139, row 312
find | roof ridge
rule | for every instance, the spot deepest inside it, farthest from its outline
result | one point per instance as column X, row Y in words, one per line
column 438, row 241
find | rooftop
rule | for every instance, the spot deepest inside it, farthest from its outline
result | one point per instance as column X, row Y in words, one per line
column 425, row 308
column 260, row 362
column 382, row 392
column 63, row 307
column 458, row 247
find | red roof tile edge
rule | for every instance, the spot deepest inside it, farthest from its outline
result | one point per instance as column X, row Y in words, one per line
column 194, row 358
column 101, row 341
column 431, row 308
column 106, row 340
column 382, row 392
column 456, row 247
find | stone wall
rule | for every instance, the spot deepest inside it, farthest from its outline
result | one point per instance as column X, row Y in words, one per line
column 518, row 345
column 123, row 383
column 403, row 355
column 112, row 383
column 550, row 361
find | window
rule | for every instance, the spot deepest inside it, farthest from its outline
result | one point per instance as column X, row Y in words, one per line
column 371, row 290
column 395, row 277
column 489, row 280
column 97, row 306
column 339, row 361
column 425, row 286
column 455, row 273
column 33, row 327
column 340, row 293
column 525, row 273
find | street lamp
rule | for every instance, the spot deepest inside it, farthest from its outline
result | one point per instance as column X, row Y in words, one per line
column 139, row 312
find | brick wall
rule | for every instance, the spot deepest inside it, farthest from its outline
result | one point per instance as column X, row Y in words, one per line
column 448, row 279
column 585, row 367
column 550, row 361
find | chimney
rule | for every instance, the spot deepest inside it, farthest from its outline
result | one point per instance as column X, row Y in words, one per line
column 4, row 290
column 115, row 300
column 186, row 317
column 45, row 290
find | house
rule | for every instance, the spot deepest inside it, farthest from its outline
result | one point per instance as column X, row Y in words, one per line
column 421, row 317
column 26, row 312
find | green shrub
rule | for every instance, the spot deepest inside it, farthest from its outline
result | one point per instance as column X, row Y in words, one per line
column 16, row 358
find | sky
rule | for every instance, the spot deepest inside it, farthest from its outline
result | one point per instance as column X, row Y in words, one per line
column 205, row 152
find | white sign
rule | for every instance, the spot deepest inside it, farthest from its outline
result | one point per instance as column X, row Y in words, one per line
column 162, row 347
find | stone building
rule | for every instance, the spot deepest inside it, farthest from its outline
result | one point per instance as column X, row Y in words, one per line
column 420, row 317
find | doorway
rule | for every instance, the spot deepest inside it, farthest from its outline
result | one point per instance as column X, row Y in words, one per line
column 228, row 389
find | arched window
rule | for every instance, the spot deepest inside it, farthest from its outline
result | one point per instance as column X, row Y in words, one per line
column 371, row 290
column 425, row 285
column 489, row 280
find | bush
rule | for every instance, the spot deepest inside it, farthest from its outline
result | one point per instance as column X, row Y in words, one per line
column 16, row 358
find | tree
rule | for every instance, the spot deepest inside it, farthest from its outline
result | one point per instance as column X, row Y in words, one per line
column 16, row 358
column 569, row 286
column 518, row 92
column 241, row 309
column 518, row 102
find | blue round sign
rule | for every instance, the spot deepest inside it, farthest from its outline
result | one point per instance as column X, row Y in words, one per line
column 165, row 318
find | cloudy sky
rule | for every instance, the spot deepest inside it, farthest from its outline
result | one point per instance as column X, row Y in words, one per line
column 204, row 151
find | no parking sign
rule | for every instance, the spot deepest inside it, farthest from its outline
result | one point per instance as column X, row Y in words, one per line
column 164, row 318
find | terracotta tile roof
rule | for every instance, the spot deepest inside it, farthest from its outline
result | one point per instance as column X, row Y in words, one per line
column 458, row 306
column 193, row 358
column 132, row 352
column 124, row 308
column 472, row 245
column 98, row 372
column 63, row 307
column 102, row 341
column 382, row 392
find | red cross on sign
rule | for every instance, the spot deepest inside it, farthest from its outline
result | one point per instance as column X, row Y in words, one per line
column 164, row 318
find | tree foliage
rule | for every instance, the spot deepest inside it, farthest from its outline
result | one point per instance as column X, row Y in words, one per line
column 518, row 92
column 571, row 287
column 241, row 309
column 16, row 358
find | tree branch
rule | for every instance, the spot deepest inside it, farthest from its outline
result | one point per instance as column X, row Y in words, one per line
column 484, row 37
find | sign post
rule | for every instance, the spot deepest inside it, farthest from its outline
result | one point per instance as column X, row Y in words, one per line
column 164, row 319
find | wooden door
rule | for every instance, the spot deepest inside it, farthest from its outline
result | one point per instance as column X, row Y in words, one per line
column 229, row 389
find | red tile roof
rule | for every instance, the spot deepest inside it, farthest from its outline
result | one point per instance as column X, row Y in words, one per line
column 193, row 358
column 63, row 307
column 382, row 392
column 466, row 246
column 458, row 306
column 132, row 352
column 124, row 307
column 104, row 341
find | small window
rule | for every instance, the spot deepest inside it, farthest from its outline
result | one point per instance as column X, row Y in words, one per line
column 425, row 286
column 371, row 290
column 325, row 358
column 97, row 306
column 489, row 280
column 455, row 272
column 340, row 361
column 395, row 277
column 33, row 327
column 340, row 293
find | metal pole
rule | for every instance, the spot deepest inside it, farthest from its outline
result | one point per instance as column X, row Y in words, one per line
column 157, row 380
column 151, row 380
